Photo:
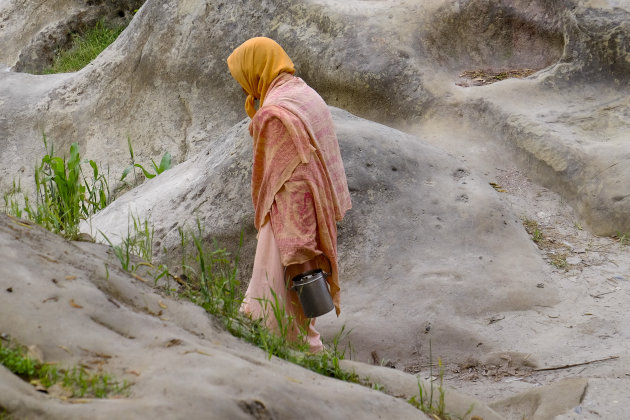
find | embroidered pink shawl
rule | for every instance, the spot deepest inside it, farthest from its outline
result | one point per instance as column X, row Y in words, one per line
column 296, row 151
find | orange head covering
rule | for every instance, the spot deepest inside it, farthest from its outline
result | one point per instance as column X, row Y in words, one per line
column 254, row 65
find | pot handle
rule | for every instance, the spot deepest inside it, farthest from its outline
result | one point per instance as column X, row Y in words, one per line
column 323, row 272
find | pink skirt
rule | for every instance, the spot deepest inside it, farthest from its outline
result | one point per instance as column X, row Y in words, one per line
column 268, row 274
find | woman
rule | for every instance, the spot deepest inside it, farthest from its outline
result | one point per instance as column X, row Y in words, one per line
column 299, row 186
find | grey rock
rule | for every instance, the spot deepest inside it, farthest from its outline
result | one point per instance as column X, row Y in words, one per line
column 574, row 260
column 179, row 362
column 164, row 82
column 406, row 385
column 408, row 242
column 544, row 402
column 429, row 253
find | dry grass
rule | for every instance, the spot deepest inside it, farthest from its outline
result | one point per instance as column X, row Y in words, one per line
column 482, row 77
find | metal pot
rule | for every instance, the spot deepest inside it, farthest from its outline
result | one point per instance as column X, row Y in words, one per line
column 312, row 289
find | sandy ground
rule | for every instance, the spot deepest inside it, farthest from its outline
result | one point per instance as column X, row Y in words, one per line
column 589, row 328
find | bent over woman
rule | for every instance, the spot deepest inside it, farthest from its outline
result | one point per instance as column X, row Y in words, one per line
column 299, row 186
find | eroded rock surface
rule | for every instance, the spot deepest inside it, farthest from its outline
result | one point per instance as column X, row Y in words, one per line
column 82, row 308
column 424, row 233
column 164, row 82
column 425, row 252
column 497, row 34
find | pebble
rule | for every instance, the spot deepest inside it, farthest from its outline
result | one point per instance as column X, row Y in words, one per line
column 574, row 260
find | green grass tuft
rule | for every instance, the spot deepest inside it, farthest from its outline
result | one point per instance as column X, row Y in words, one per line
column 425, row 401
column 76, row 380
column 85, row 48
column 63, row 194
column 165, row 164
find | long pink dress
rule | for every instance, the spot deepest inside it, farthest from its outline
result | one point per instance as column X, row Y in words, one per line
column 268, row 274
column 299, row 192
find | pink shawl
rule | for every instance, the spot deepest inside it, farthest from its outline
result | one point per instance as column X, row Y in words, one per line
column 296, row 150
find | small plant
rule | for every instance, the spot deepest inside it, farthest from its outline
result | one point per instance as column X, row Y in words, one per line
column 622, row 238
column 217, row 277
column 63, row 195
column 14, row 360
column 82, row 383
column 142, row 244
column 165, row 164
column 121, row 252
column 378, row 387
column 501, row 76
column 284, row 321
column 158, row 273
column 537, row 235
column 138, row 242
column 275, row 341
column 85, row 48
column 97, row 190
column 77, row 380
column 555, row 251
column 58, row 192
column 531, row 226
column 559, row 261
column 425, row 401
column 12, row 204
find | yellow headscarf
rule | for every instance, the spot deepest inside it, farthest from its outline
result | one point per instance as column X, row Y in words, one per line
column 254, row 65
